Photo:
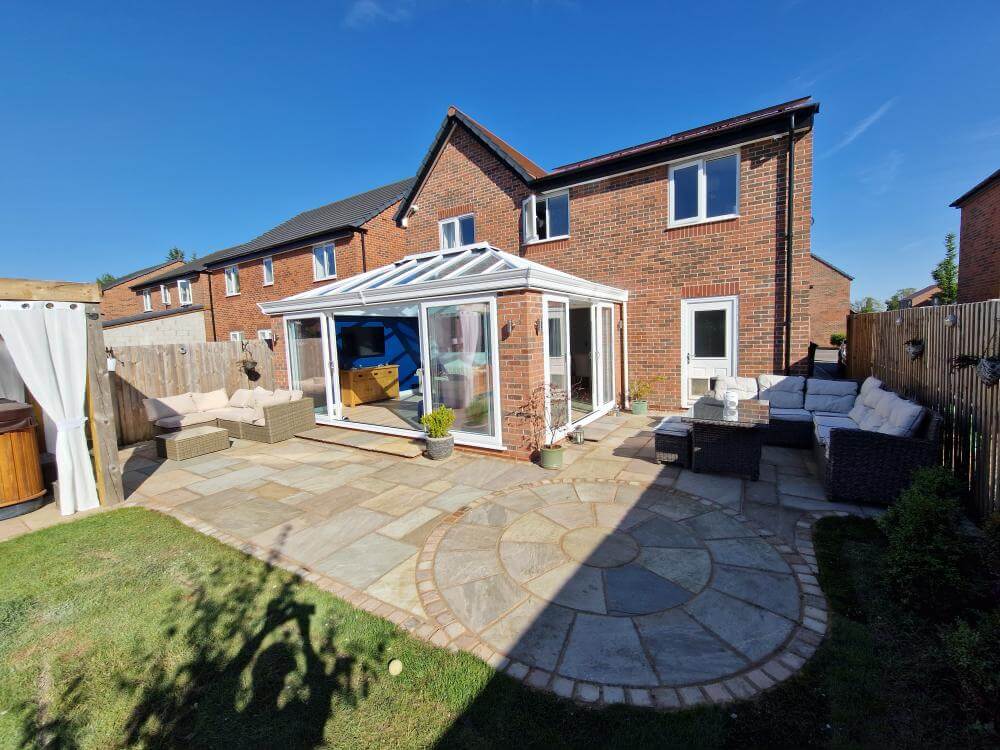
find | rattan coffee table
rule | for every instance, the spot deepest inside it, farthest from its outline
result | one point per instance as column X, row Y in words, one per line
column 727, row 442
column 194, row 441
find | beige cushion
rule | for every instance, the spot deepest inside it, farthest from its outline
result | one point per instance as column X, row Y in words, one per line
column 745, row 387
column 233, row 414
column 296, row 395
column 260, row 393
column 904, row 418
column 184, row 420
column 260, row 403
column 211, row 400
column 782, row 391
column 168, row 406
column 241, row 398
column 282, row 396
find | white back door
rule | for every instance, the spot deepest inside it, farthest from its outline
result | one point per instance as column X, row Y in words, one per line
column 708, row 344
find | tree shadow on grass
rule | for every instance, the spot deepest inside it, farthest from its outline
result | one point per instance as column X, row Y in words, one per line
column 244, row 661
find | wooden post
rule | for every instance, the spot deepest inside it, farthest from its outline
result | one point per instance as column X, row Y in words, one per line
column 104, row 438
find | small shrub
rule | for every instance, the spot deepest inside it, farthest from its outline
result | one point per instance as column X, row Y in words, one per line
column 438, row 422
column 974, row 653
column 926, row 552
column 838, row 338
column 639, row 390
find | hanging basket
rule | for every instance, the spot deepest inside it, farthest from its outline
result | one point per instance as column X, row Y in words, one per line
column 988, row 370
column 914, row 348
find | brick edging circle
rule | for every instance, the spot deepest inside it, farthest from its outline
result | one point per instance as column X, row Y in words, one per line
column 805, row 637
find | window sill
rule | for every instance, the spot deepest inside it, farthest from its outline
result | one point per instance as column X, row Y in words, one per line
column 324, row 278
column 547, row 239
column 232, row 294
column 271, row 284
column 699, row 222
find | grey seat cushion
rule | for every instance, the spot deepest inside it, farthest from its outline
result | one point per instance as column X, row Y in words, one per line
column 672, row 426
column 830, row 395
column 782, row 391
column 824, row 423
column 791, row 415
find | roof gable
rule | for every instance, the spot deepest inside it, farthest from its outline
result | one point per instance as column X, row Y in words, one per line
column 979, row 187
column 136, row 274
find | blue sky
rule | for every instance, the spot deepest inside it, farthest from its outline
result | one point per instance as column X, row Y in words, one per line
column 131, row 128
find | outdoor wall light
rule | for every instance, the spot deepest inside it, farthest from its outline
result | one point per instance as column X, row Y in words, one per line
column 538, row 326
column 951, row 320
column 899, row 320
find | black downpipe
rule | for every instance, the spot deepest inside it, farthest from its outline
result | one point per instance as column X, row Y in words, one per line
column 211, row 304
column 789, row 216
column 364, row 255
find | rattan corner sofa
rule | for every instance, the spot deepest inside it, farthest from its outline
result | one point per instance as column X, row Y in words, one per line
column 867, row 442
column 260, row 415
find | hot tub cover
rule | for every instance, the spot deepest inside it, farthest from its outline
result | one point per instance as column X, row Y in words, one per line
column 15, row 416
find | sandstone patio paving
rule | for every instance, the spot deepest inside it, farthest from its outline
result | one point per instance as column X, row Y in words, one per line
column 694, row 597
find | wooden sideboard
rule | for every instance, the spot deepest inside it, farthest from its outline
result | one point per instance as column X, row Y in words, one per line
column 363, row 385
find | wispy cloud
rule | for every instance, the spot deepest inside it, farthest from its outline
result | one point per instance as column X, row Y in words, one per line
column 854, row 133
column 363, row 13
column 880, row 176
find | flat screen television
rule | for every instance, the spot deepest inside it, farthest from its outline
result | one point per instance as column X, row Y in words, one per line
column 363, row 341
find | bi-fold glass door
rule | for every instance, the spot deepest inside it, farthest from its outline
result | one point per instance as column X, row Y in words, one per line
column 311, row 360
column 557, row 366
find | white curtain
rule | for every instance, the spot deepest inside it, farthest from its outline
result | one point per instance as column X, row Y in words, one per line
column 471, row 325
column 48, row 343
column 11, row 385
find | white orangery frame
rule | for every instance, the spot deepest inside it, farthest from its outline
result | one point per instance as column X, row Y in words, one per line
column 464, row 275
column 333, row 407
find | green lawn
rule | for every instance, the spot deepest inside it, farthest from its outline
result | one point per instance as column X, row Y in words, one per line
column 128, row 629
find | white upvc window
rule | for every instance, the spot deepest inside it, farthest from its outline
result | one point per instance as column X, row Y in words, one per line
column 265, row 334
column 147, row 300
column 232, row 280
column 268, row 267
column 458, row 230
column 546, row 217
column 184, row 292
column 324, row 262
column 236, row 335
column 165, row 295
column 705, row 189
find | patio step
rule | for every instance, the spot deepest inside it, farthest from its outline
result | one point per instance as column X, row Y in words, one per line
column 366, row 441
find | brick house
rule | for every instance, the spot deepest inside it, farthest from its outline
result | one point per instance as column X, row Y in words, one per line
column 925, row 297
column 131, row 315
column 979, row 241
column 829, row 300
column 668, row 262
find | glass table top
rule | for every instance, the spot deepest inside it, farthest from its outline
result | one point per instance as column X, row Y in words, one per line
column 747, row 413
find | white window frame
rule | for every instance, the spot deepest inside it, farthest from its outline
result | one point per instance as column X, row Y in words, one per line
column 321, row 269
column 457, row 221
column 529, row 210
column 184, row 295
column 701, row 217
column 147, row 300
column 267, row 270
column 265, row 334
column 232, row 274
column 165, row 295
column 236, row 335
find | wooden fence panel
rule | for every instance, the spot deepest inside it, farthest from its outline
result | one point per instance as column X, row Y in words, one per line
column 171, row 369
column 971, row 411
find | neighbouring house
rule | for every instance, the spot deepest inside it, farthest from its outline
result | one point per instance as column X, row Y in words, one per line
column 118, row 299
column 979, row 241
column 926, row 297
column 216, row 297
column 829, row 300
column 673, row 262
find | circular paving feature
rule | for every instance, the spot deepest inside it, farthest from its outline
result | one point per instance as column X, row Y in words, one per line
column 619, row 587
column 599, row 547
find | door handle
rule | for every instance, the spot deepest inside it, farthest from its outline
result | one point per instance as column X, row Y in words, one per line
column 689, row 357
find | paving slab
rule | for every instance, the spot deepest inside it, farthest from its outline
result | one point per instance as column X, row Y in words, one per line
column 479, row 603
column 727, row 491
column 752, row 631
column 363, row 562
column 776, row 592
column 606, row 649
column 747, row 553
column 533, row 632
column 684, row 652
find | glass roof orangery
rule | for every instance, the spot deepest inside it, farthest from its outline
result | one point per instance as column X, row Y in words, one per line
column 467, row 269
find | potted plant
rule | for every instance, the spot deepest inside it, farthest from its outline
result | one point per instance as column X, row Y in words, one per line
column 534, row 414
column 638, row 392
column 914, row 348
column 440, row 441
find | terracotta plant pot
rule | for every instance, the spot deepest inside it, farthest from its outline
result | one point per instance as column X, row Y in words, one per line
column 988, row 371
column 439, row 448
column 551, row 457
column 640, row 407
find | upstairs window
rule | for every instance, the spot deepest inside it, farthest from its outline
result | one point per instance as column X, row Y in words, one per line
column 705, row 189
column 232, row 281
column 265, row 334
column 184, row 292
column 324, row 262
column 147, row 300
column 165, row 295
column 268, row 267
column 460, row 230
column 546, row 217
column 236, row 335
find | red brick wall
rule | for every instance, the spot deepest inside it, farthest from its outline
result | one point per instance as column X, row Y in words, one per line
column 121, row 301
column 521, row 365
column 979, row 248
column 619, row 236
column 829, row 302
